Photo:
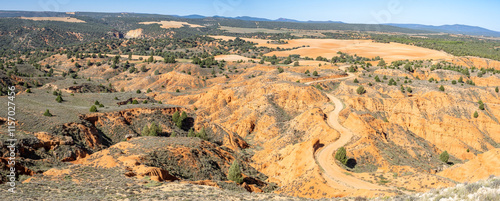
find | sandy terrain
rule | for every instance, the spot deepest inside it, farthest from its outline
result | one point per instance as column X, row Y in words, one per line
column 231, row 57
column 61, row 19
column 171, row 24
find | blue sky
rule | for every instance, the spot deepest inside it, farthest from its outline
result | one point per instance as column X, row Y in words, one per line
column 484, row 13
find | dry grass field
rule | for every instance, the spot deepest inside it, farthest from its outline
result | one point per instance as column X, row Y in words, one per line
column 61, row 19
column 171, row 24
column 366, row 48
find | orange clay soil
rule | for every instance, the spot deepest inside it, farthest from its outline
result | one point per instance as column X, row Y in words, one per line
column 329, row 47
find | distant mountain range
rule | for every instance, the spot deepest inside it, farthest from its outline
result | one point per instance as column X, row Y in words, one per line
column 452, row 29
column 257, row 19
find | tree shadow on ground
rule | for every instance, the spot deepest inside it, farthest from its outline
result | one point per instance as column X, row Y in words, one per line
column 351, row 163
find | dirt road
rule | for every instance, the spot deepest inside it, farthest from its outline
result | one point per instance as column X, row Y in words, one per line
column 334, row 174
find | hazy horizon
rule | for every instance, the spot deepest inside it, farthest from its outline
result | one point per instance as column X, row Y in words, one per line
column 479, row 13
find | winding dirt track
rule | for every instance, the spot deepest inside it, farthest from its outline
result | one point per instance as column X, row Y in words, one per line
column 334, row 174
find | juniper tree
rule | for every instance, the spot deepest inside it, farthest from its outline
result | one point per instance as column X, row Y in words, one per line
column 341, row 155
column 235, row 173
column 59, row 99
column 441, row 88
column 360, row 90
column 444, row 157
column 145, row 131
column 481, row 105
column 93, row 108
column 191, row 133
column 47, row 113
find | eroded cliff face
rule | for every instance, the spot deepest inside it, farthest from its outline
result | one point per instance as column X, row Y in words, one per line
column 443, row 119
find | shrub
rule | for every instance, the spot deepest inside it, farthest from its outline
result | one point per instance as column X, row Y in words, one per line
column 180, row 120
column 409, row 89
column 96, row 103
column 280, row 70
column 441, row 88
column 381, row 63
column 341, row 156
column 93, row 108
column 453, row 82
column 154, row 130
column 145, row 102
column 377, row 79
column 476, row 115
column 296, row 63
column 235, row 173
column 307, row 72
column 191, row 133
column 392, row 82
column 177, row 90
column 496, row 89
column 356, row 80
column 59, row 99
column 149, row 90
column 145, row 131
column 135, row 102
column 361, row 90
column 315, row 73
column 444, row 157
column 47, row 113
column 175, row 116
column 101, row 105
column 28, row 90
column 138, row 91
column 202, row 134
column 481, row 105
column 173, row 134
